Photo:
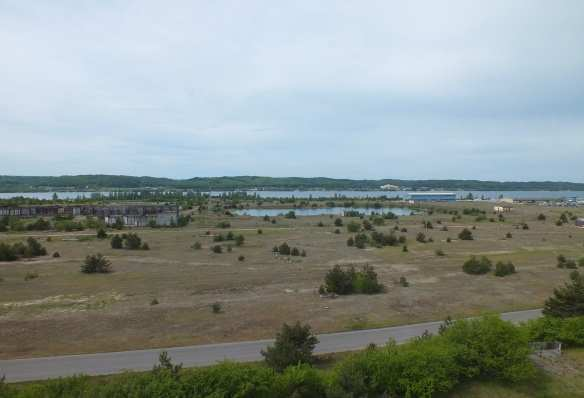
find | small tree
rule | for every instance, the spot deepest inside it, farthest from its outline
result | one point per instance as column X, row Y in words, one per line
column 284, row 249
column 338, row 222
column 217, row 249
column 96, row 263
column 101, row 234
column 293, row 345
column 239, row 239
column 295, row 252
column 567, row 301
column 117, row 242
column 465, row 234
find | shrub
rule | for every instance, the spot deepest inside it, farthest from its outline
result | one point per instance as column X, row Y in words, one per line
column 338, row 222
column 361, row 240
column 508, row 235
column 217, row 249
column 224, row 224
column 541, row 217
column 421, row 237
column 504, row 269
column 403, row 281
column 367, row 226
column 154, row 301
column 216, row 308
column 294, row 345
column 525, row 226
column 569, row 331
column 567, row 301
column 491, row 348
column 350, row 241
column 132, row 241
column 229, row 248
column 465, row 234
column 96, row 263
column 448, row 240
column 303, row 253
column 101, row 234
column 56, row 255
column 290, row 215
column 145, row 246
column 581, row 262
column 337, row 231
column 295, row 252
column 353, row 227
column 284, row 249
column 241, row 258
column 405, row 248
column 260, row 231
column 239, row 239
column 476, row 266
column 197, row 246
column 439, row 253
column 117, row 242
column 31, row 275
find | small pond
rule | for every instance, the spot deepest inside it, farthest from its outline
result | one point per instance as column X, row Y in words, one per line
column 320, row 211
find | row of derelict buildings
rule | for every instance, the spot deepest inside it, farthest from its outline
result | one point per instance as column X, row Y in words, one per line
column 133, row 215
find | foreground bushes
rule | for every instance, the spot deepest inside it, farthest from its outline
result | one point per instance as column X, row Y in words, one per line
column 486, row 348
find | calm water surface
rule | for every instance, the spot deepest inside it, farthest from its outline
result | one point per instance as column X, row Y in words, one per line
column 334, row 211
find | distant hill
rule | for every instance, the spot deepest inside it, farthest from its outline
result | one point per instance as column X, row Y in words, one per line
column 117, row 182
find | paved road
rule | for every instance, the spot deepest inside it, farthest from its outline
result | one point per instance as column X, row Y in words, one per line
column 115, row 362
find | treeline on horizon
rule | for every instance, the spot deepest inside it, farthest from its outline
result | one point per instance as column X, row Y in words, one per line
column 106, row 182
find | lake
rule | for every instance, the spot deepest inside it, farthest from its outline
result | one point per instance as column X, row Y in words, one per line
column 333, row 211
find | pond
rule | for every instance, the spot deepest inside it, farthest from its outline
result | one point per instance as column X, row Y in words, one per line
column 320, row 211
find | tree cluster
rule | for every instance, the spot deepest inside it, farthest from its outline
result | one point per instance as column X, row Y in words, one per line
column 350, row 281
column 130, row 241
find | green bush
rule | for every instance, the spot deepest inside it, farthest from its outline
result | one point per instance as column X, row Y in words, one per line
column 96, row 263
column 465, row 234
column 353, row 227
column 477, row 266
column 491, row 348
column 504, row 269
column 569, row 331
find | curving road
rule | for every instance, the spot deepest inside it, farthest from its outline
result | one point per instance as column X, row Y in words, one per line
column 17, row 370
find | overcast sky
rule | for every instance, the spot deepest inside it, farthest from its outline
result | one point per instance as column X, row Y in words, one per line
column 360, row 89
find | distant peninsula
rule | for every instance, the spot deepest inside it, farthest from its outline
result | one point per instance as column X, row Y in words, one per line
column 121, row 182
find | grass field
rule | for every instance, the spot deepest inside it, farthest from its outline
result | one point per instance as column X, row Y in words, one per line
column 64, row 311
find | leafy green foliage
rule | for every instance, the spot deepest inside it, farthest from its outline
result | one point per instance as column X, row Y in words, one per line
column 293, row 345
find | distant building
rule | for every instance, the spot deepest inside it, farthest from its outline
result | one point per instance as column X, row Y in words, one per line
column 389, row 187
column 580, row 222
column 432, row 196
column 132, row 214
column 502, row 208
